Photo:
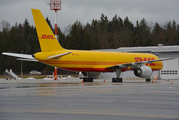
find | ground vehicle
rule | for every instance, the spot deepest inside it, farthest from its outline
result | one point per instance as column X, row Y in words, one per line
column 35, row 72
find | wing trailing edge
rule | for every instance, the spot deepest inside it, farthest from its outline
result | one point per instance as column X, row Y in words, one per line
column 136, row 64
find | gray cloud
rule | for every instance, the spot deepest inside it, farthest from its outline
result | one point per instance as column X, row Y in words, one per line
column 85, row 10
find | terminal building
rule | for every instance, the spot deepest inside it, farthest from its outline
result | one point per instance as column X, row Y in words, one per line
column 170, row 67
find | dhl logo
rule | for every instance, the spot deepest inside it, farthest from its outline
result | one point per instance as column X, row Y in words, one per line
column 47, row 37
column 139, row 59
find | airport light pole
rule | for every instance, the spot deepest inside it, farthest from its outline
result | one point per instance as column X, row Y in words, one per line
column 21, row 65
column 55, row 5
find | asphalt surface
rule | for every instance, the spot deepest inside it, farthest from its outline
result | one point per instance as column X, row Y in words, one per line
column 70, row 99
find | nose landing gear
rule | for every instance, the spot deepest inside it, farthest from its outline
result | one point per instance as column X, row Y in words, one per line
column 87, row 79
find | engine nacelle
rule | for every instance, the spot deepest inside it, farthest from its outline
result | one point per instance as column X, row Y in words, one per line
column 143, row 72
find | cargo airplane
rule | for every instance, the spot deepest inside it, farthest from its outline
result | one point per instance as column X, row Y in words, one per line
column 88, row 62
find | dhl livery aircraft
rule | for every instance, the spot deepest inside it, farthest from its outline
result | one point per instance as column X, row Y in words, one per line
column 89, row 62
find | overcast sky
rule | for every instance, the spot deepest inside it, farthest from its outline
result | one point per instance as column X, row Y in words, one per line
column 160, row 11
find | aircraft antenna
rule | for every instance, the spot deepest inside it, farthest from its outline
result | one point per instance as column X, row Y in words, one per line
column 55, row 5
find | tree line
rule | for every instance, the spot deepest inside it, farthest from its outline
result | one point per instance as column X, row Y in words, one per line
column 99, row 34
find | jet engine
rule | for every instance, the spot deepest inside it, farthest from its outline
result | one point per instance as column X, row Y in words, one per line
column 143, row 72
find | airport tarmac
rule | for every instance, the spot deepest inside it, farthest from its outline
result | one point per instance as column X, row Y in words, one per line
column 70, row 99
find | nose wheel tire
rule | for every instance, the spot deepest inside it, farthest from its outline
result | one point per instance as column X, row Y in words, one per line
column 148, row 80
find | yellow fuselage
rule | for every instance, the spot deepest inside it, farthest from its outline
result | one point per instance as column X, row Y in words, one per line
column 96, row 61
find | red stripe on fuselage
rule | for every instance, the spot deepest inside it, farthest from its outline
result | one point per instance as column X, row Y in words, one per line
column 81, row 62
column 94, row 69
column 100, row 69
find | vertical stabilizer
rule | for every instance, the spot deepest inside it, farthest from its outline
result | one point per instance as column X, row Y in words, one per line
column 47, row 39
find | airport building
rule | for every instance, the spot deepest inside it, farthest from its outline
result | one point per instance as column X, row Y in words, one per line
column 170, row 67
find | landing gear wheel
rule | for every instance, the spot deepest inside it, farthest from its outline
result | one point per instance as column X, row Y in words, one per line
column 84, row 79
column 113, row 79
column 148, row 80
column 120, row 80
column 117, row 80
column 90, row 80
column 87, row 79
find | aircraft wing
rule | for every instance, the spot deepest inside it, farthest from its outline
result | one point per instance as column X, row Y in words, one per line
column 25, row 57
column 136, row 64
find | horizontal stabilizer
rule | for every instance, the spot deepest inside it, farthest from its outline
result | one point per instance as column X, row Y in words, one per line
column 34, row 60
column 26, row 56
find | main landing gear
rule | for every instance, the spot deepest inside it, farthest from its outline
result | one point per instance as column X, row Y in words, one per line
column 88, row 78
column 117, row 79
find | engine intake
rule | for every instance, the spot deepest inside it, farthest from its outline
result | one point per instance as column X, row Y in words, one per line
column 143, row 72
